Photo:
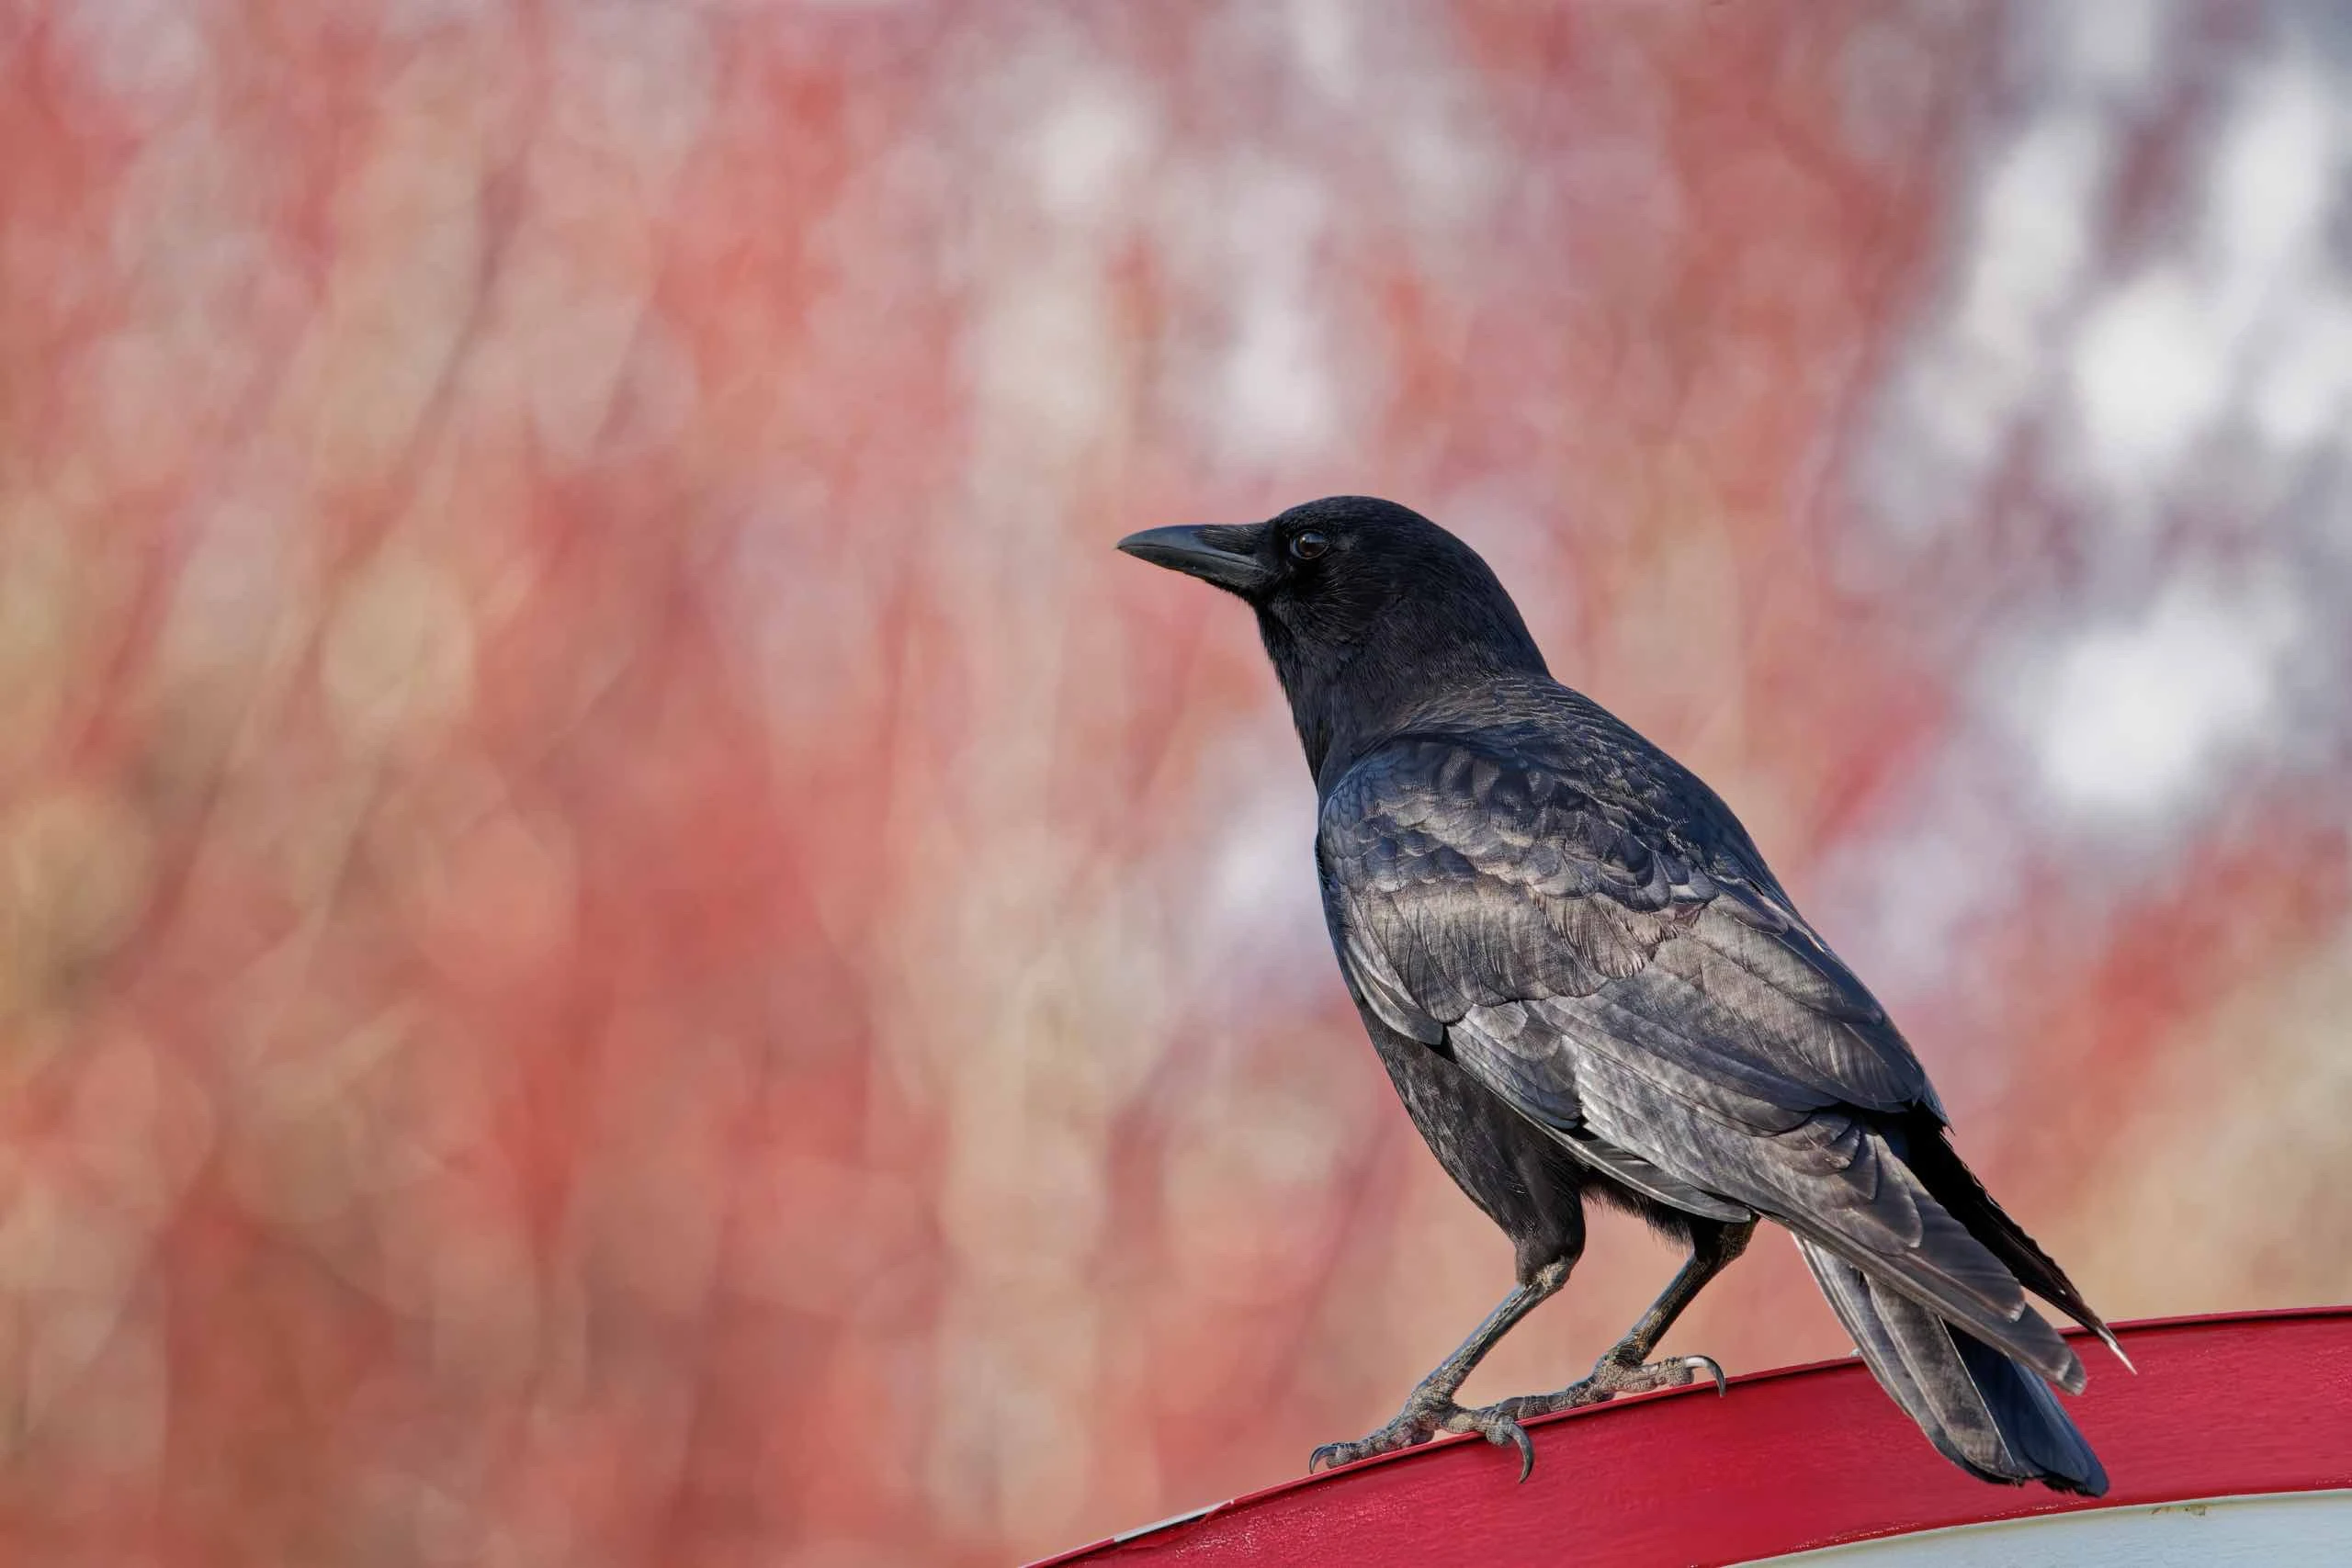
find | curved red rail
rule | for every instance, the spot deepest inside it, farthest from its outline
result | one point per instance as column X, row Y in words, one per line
column 1798, row 1458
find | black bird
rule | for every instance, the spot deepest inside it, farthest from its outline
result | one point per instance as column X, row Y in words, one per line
column 1585, row 983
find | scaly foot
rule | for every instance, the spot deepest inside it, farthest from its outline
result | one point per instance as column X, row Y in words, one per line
column 1614, row 1374
column 1424, row 1416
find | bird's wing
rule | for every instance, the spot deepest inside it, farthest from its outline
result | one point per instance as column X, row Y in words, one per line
column 1649, row 1002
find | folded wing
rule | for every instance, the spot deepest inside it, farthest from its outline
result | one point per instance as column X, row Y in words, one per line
column 1639, row 986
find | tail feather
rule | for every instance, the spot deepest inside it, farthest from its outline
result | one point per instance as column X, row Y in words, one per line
column 2032, row 1423
column 1939, row 1166
column 1983, row 1412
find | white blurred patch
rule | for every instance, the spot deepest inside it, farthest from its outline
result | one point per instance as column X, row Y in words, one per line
column 2269, row 189
column 2145, row 374
column 2143, row 717
column 2033, row 235
column 1901, row 904
column 1252, row 857
column 2272, row 177
column 1082, row 153
column 1069, row 135
column 2233, row 330
column 1323, row 37
column 1260, row 919
column 2107, row 46
column 1453, row 175
column 2193, row 373
column 1277, row 391
column 1273, row 354
column 2150, row 375
column 150, row 56
column 2302, row 394
column 1273, row 392
column 1964, row 391
column 1043, row 362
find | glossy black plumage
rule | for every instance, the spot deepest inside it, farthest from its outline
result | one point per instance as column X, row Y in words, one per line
column 1584, row 981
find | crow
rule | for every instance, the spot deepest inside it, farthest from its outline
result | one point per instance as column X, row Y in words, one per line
column 1585, row 983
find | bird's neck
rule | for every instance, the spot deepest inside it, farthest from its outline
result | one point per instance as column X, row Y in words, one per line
column 1347, row 702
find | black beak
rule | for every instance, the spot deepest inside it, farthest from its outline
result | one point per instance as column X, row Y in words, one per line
column 1226, row 556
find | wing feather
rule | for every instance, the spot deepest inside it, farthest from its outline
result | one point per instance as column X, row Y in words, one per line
column 1638, row 986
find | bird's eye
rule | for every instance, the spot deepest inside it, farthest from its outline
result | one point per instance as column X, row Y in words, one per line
column 1308, row 544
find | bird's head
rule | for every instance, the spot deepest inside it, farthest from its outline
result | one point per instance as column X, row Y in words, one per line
column 1367, row 608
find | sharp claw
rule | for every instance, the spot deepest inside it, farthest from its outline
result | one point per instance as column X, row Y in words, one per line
column 1413, row 1430
column 1707, row 1365
column 1498, row 1429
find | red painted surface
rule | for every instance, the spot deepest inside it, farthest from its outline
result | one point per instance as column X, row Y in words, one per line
column 1804, row 1457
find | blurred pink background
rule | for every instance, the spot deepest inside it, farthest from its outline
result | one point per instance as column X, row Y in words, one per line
column 623, row 938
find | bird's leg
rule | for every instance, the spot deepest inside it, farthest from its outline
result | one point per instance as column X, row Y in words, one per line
column 1627, row 1369
column 1431, row 1408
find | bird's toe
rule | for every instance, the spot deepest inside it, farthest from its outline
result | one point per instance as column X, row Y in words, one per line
column 1498, row 1429
column 1620, row 1376
column 1401, row 1433
column 1527, row 1407
column 1422, row 1419
column 1332, row 1456
column 1610, row 1377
